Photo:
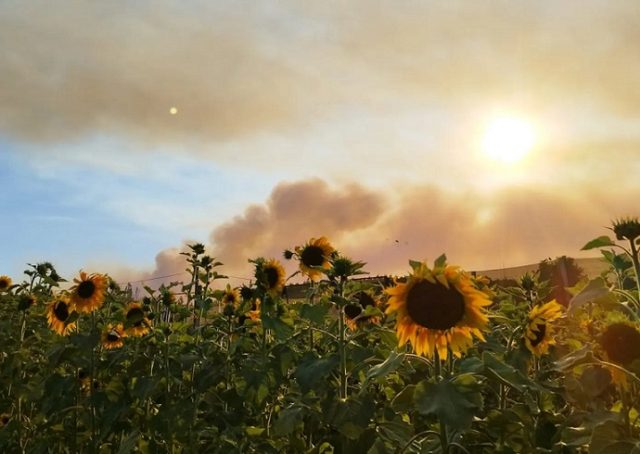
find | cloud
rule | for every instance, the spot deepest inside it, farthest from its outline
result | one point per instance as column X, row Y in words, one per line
column 515, row 226
column 76, row 68
column 72, row 69
column 293, row 213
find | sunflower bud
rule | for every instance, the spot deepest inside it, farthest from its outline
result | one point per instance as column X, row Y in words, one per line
column 627, row 228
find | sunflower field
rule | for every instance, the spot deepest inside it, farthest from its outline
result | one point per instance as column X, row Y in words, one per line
column 438, row 360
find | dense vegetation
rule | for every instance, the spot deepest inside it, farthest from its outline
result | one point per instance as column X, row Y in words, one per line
column 435, row 361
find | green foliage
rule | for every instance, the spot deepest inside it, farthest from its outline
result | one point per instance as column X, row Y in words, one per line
column 301, row 376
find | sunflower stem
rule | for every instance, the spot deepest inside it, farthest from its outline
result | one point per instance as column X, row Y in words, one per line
column 91, row 402
column 424, row 435
column 636, row 265
column 342, row 343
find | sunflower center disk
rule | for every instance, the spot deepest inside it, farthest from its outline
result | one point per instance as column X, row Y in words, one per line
column 61, row 311
column 86, row 289
column 352, row 311
column 135, row 316
column 113, row 337
column 542, row 330
column 272, row 277
column 312, row 256
column 622, row 343
column 434, row 306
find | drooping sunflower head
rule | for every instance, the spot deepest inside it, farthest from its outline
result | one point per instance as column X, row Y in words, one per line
column 25, row 301
column 314, row 257
column 113, row 335
column 438, row 310
column 271, row 275
column 5, row 283
column 621, row 342
column 539, row 330
column 88, row 293
column 136, row 320
column 626, row 228
column 230, row 296
column 353, row 311
column 59, row 315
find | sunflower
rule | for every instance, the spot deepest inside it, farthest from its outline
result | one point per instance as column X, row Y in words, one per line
column 620, row 341
column 539, row 332
column 230, row 296
column 438, row 310
column 58, row 313
column 313, row 255
column 353, row 311
column 113, row 335
column 5, row 283
column 273, row 275
column 4, row 419
column 626, row 228
column 26, row 301
column 88, row 293
column 137, row 323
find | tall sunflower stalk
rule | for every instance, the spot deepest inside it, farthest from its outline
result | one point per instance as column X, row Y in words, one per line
column 626, row 228
column 342, row 268
column 439, row 311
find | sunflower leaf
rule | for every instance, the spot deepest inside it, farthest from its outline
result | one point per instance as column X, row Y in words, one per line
column 595, row 291
column 601, row 241
column 386, row 367
column 287, row 421
column 312, row 369
column 504, row 373
column 314, row 312
column 281, row 329
column 608, row 438
column 453, row 405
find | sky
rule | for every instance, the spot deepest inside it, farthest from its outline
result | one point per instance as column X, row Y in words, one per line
column 129, row 129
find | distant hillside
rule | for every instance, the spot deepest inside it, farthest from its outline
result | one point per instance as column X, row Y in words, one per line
column 592, row 268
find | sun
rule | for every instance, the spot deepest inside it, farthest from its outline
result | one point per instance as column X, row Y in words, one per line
column 508, row 139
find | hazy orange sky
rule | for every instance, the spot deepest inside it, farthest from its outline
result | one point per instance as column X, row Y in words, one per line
column 362, row 121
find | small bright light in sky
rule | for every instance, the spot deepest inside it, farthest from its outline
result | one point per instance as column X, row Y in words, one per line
column 508, row 139
column 173, row 110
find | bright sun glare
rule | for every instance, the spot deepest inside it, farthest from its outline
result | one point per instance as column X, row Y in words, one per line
column 508, row 139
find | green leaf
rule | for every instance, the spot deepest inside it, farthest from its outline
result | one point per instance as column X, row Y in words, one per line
column 351, row 417
column 582, row 355
column 608, row 438
column 313, row 369
column 388, row 366
column 446, row 401
column 287, row 421
column 595, row 291
column 398, row 432
column 494, row 368
column 127, row 444
column 595, row 380
column 315, row 313
column 404, row 399
column 254, row 431
column 282, row 330
column 601, row 241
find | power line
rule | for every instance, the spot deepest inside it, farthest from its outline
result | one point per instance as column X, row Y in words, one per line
column 175, row 274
